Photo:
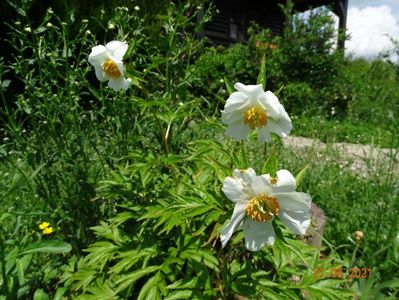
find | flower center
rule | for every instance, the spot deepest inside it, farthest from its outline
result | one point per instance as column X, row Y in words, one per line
column 111, row 69
column 255, row 117
column 262, row 208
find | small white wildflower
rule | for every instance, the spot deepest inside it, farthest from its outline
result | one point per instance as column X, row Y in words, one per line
column 111, row 26
column 258, row 199
column 108, row 64
column 28, row 29
column 252, row 108
column 49, row 24
column 136, row 8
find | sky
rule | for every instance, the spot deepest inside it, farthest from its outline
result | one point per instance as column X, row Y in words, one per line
column 369, row 24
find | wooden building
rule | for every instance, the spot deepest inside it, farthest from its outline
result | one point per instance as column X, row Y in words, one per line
column 231, row 22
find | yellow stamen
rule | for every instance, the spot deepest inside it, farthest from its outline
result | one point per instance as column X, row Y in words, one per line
column 273, row 180
column 44, row 225
column 255, row 117
column 48, row 230
column 111, row 69
column 262, row 208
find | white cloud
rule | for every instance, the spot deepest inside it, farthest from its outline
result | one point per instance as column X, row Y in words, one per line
column 368, row 28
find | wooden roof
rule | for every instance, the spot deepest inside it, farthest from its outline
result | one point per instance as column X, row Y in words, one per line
column 231, row 23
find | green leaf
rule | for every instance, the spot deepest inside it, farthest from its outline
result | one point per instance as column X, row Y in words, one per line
column 127, row 280
column 301, row 174
column 22, row 266
column 182, row 294
column 154, row 288
column 279, row 90
column 40, row 295
column 50, row 246
column 271, row 164
column 262, row 73
column 229, row 86
column 59, row 295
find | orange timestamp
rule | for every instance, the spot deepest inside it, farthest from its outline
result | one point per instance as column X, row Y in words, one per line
column 352, row 273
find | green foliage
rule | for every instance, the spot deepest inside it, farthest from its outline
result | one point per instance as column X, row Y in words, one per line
column 167, row 247
column 135, row 177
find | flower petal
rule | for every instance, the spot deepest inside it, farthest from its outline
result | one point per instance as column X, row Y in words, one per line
column 245, row 174
column 261, row 185
column 257, row 234
column 236, row 101
column 233, row 188
column 252, row 91
column 100, row 73
column 282, row 127
column 98, row 55
column 295, row 201
column 118, row 83
column 264, row 134
column 295, row 210
column 228, row 230
column 117, row 49
column 126, row 84
column 238, row 131
column 233, row 117
column 297, row 221
column 285, row 182
column 271, row 103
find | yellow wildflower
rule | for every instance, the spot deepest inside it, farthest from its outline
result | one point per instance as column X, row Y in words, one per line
column 44, row 225
column 48, row 230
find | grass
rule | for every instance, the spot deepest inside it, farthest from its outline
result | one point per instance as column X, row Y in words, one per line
column 108, row 170
column 351, row 202
column 346, row 130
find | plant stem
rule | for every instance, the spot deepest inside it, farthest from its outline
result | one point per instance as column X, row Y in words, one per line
column 3, row 265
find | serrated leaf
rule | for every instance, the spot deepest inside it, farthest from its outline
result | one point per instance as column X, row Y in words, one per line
column 152, row 289
column 50, row 246
column 131, row 278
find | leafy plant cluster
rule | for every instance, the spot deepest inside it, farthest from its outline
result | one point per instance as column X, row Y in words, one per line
column 131, row 181
column 317, row 79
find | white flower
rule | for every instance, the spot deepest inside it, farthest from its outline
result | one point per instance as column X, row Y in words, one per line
column 258, row 199
column 108, row 64
column 249, row 108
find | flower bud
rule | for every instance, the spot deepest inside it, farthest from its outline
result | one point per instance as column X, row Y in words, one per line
column 359, row 236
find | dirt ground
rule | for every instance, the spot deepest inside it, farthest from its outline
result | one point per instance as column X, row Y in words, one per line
column 361, row 159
